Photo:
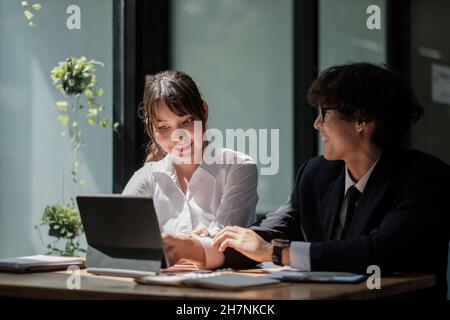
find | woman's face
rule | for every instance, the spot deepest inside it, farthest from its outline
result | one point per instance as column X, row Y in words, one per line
column 339, row 137
column 178, row 136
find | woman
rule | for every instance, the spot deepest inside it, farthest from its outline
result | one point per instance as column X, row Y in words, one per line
column 189, row 194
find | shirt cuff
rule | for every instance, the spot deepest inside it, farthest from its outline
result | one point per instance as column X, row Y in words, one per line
column 214, row 258
column 299, row 255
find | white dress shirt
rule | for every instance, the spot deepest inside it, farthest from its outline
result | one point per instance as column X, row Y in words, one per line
column 217, row 195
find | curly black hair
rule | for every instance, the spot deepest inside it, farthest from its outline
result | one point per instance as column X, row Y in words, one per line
column 367, row 92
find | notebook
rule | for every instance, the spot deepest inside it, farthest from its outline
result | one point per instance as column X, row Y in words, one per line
column 214, row 280
column 39, row 263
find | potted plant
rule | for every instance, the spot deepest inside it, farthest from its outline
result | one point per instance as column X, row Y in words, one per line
column 64, row 223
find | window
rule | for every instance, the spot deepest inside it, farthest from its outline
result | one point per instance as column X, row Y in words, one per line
column 344, row 36
column 35, row 160
column 240, row 54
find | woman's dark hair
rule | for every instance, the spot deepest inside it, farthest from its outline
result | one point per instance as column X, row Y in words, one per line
column 366, row 92
column 180, row 93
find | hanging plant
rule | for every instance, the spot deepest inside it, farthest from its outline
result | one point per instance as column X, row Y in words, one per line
column 74, row 78
column 64, row 224
column 30, row 11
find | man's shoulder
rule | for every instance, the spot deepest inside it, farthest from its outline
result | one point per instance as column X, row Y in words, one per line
column 420, row 162
column 320, row 162
column 319, row 170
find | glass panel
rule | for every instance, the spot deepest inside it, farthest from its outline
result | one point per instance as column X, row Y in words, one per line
column 430, row 76
column 344, row 36
column 430, row 79
column 36, row 160
column 240, row 54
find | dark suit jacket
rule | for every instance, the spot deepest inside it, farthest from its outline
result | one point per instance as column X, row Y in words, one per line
column 400, row 222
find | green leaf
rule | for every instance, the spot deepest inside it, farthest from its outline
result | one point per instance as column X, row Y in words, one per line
column 97, row 62
column 92, row 121
column 28, row 14
column 104, row 123
column 75, row 124
column 100, row 92
column 62, row 105
column 56, row 74
column 88, row 93
column 37, row 6
column 92, row 112
column 64, row 119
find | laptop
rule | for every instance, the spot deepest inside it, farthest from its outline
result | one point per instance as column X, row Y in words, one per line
column 123, row 235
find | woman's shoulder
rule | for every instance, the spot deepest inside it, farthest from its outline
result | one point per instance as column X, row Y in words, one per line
column 142, row 181
column 233, row 157
column 150, row 167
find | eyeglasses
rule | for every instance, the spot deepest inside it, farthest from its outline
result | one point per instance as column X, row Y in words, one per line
column 322, row 112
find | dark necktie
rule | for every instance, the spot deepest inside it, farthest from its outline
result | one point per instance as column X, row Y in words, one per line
column 353, row 195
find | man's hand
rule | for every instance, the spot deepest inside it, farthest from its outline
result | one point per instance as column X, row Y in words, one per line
column 184, row 247
column 245, row 241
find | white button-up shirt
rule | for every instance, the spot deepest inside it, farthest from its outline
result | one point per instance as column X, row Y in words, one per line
column 217, row 195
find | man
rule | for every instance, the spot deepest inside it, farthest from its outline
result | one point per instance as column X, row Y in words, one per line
column 366, row 201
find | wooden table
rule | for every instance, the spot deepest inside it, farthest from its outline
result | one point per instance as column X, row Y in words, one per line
column 52, row 285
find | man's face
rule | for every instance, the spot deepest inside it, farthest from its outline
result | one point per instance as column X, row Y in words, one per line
column 339, row 137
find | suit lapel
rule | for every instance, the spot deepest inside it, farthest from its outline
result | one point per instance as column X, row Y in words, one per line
column 330, row 204
column 374, row 192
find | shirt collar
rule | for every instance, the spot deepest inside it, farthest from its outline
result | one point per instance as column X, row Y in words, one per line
column 361, row 184
column 165, row 165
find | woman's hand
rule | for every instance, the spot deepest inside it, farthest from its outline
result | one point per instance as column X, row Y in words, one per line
column 201, row 231
column 184, row 247
column 245, row 241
